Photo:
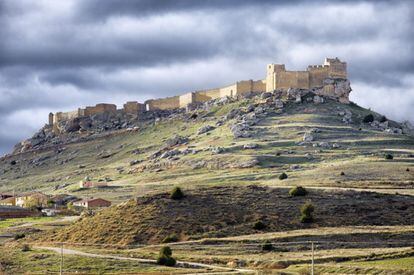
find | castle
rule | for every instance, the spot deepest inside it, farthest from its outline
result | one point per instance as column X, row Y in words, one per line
column 277, row 78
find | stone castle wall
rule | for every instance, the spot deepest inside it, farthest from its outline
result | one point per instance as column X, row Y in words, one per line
column 277, row 78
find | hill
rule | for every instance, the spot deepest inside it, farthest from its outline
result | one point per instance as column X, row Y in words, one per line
column 225, row 142
column 231, row 211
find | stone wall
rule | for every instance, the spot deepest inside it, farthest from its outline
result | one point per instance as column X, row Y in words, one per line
column 133, row 107
column 163, row 103
column 99, row 108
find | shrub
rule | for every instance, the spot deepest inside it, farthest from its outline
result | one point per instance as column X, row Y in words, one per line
column 165, row 257
column 19, row 236
column 177, row 194
column 298, row 191
column 283, row 176
column 307, row 212
column 25, row 248
column 166, row 250
column 267, row 246
column 170, row 239
column 408, row 169
column 368, row 118
column 383, row 119
column 259, row 225
column 342, row 173
column 388, row 156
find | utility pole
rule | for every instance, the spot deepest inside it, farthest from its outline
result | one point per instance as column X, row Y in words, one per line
column 313, row 262
column 61, row 259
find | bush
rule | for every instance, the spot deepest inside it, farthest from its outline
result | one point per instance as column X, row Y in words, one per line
column 165, row 257
column 283, row 176
column 25, row 248
column 383, row 119
column 170, row 239
column 259, row 225
column 368, row 118
column 298, row 191
column 307, row 213
column 177, row 194
column 19, row 236
column 342, row 173
column 166, row 250
column 267, row 246
column 388, row 156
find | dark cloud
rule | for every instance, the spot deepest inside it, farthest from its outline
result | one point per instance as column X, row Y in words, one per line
column 58, row 55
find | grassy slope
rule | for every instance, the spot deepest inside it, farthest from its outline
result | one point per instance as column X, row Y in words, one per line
column 360, row 157
column 232, row 211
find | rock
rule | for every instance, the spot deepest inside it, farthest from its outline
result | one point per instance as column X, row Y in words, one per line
column 205, row 129
column 336, row 145
column 308, row 137
column 250, row 146
column 295, row 167
column 176, row 140
column 278, row 104
column 241, row 130
column 265, row 95
column 217, row 150
column 407, row 127
column 170, row 153
column 232, row 114
column 318, row 99
column 134, row 162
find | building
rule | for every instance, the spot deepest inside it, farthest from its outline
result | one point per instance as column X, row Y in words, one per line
column 91, row 184
column 92, row 203
column 35, row 199
column 276, row 78
column 5, row 196
column 8, row 201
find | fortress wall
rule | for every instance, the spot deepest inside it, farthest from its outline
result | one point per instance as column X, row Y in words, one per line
column 211, row 93
column 163, row 103
column 338, row 70
column 259, row 86
column 51, row 118
column 228, row 91
column 133, row 107
column 186, row 99
column 100, row 108
column 317, row 74
column 202, row 97
column 292, row 79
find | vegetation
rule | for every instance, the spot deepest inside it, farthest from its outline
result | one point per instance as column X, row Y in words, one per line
column 171, row 239
column 368, row 118
column 18, row 236
column 259, row 225
column 389, row 156
column 165, row 257
column 267, row 246
column 177, row 194
column 307, row 213
column 25, row 248
column 283, row 176
column 298, row 191
column 383, row 119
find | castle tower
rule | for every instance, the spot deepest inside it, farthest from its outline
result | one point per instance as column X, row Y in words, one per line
column 272, row 70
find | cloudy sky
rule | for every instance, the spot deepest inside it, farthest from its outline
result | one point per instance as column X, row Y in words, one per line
column 60, row 55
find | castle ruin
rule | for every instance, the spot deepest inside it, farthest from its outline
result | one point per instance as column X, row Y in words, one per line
column 320, row 78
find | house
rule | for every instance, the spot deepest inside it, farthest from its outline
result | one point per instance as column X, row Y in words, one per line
column 91, row 184
column 92, row 203
column 62, row 200
column 5, row 196
column 32, row 199
column 8, row 201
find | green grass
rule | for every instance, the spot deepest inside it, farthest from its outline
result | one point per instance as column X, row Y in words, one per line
column 17, row 221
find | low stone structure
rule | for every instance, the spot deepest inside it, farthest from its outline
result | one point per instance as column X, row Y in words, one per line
column 327, row 80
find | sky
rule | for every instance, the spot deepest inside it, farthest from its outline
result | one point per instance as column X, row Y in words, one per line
column 61, row 55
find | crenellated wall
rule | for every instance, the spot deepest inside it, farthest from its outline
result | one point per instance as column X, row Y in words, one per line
column 277, row 78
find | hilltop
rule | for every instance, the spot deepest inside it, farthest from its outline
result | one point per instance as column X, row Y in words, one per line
column 244, row 140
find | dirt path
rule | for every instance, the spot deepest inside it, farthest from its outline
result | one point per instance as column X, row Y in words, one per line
column 223, row 270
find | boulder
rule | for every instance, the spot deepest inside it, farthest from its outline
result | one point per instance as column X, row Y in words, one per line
column 308, row 137
column 205, row 129
column 250, row 146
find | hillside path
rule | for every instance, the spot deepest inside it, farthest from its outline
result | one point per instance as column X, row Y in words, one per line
column 224, row 270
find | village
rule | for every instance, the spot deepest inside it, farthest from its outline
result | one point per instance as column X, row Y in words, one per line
column 37, row 204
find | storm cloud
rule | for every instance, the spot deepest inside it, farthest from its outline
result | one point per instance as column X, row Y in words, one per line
column 60, row 55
